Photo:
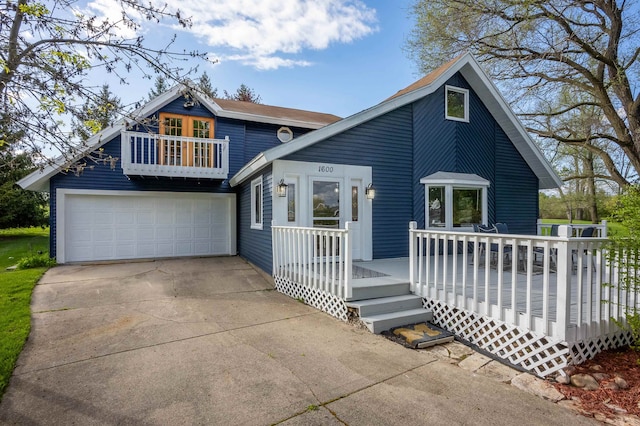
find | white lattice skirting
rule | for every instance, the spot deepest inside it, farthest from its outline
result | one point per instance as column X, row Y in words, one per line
column 534, row 352
column 317, row 298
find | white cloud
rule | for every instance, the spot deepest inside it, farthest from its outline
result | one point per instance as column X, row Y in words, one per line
column 266, row 62
column 266, row 33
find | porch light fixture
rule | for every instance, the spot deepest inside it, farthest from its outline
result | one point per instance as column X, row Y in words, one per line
column 188, row 104
column 281, row 189
column 370, row 192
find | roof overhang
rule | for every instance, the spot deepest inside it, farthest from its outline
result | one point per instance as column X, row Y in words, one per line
column 458, row 179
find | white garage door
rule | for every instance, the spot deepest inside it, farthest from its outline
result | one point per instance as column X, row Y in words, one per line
column 109, row 226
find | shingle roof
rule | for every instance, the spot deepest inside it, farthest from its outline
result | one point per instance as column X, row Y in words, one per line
column 427, row 79
column 276, row 112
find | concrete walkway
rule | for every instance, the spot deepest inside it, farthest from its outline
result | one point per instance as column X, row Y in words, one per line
column 207, row 341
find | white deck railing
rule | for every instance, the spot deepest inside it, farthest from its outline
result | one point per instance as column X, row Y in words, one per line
column 149, row 154
column 550, row 285
column 576, row 228
column 317, row 258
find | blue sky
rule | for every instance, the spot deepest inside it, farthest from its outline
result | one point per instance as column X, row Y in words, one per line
column 335, row 56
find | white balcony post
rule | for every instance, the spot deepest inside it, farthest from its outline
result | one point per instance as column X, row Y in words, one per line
column 347, row 261
column 539, row 227
column 125, row 147
column 412, row 257
column 563, row 293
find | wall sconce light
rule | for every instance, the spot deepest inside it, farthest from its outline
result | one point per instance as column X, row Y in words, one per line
column 370, row 192
column 188, row 104
column 281, row 189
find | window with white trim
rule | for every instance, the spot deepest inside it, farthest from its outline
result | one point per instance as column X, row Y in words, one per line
column 456, row 104
column 256, row 203
column 455, row 200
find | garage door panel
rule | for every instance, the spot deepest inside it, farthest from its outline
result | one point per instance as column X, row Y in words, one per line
column 145, row 225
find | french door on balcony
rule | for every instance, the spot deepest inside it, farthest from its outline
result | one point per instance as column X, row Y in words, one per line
column 179, row 144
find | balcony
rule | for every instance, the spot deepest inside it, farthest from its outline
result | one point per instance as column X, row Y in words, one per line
column 148, row 154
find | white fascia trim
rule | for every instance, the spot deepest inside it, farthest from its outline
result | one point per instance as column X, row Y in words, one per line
column 497, row 100
column 456, row 182
column 39, row 179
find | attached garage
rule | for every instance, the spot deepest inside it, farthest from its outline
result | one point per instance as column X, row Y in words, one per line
column 113, row 225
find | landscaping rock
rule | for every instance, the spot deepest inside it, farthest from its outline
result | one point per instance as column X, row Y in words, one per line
column 584, row 381
column 535, row 386
column 570, row 370
column 565, row 380
column 600, row 376
column 622, row 383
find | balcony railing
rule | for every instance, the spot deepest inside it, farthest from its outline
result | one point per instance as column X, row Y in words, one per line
column 148, row 154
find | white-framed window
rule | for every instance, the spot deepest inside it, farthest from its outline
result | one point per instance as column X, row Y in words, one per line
column 456, row 104
column 285, row 134
column 256, row 203
column 455, row 200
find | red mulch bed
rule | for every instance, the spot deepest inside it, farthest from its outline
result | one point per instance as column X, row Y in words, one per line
column 622, row 362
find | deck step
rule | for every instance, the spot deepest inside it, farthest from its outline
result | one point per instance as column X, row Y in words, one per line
column 382, row 322
column 380, row 290
column 386, row 304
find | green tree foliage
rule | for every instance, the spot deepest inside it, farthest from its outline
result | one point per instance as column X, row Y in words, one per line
column 97, row 114
column 160, row 85
column 206, row 87
column 48, row 52
column 554, row 59
column 625, row 253
column 19, row 208
column 244, row 93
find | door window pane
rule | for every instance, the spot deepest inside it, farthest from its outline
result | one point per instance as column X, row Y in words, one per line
column 291, row 202
column 326, row 204
column 437, row 204
column 354, row 203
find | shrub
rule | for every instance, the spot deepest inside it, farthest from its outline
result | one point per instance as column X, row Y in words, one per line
column 36, row 261
column 624, row 251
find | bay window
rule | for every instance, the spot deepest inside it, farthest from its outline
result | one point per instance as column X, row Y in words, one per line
column 455, row 200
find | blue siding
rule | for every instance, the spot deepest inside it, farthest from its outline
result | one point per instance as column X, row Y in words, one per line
column 516, row 188
column 434, row 147
column 255, row 244
column 385, row 144
column 480, row 147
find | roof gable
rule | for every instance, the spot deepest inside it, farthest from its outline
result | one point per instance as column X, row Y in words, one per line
column 479, row 82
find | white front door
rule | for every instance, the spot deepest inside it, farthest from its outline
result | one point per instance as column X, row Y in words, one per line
column 336, row 201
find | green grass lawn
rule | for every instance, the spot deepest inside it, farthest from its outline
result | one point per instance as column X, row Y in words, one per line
column 15, row 293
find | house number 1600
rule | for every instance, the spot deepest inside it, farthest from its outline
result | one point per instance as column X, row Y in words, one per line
column 325, row 169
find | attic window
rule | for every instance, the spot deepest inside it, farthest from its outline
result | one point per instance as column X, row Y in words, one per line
column 456, row 104
column 285, row 134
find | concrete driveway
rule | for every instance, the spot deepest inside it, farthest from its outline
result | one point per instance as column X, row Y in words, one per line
column 208, row 341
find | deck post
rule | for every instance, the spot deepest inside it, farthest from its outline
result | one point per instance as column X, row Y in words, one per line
column 347, row 261
column 412, row 257
column 563, row 293
column 274, row 253
column 603, row 230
